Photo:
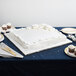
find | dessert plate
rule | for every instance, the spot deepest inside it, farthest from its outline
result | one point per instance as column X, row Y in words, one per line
column 68, row 30
column 1, row 37
column 68, row 53
column 4, row 31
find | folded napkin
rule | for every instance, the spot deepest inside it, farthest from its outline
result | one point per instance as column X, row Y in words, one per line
column 5, row 53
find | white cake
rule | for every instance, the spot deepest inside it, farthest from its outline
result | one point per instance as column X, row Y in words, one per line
column 37, row 37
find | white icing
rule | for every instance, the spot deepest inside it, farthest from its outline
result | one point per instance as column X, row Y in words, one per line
column 71, row 46
column 41, row 26
column 35, row 26
column 28, row 28
column 37, row 34
column 4, row 25
column 8, row 24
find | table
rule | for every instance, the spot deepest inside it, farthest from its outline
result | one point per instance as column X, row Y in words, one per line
column 49, row 61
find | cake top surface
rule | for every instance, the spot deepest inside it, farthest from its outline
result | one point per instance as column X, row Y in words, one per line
column 35, row 33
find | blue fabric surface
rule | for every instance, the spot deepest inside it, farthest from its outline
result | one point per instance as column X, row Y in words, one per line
column 50, row 54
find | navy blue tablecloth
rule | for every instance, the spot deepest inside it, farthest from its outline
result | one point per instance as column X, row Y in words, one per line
column 50, row 54
column 52, row 61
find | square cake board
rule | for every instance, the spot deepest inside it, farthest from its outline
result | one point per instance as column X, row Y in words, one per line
column 30, row 51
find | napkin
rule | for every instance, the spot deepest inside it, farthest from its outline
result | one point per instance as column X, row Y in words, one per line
column 4, row 53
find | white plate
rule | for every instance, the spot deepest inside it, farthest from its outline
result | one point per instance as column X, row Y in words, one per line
column 68, row 30
column 1, row 37
column 68, row 53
